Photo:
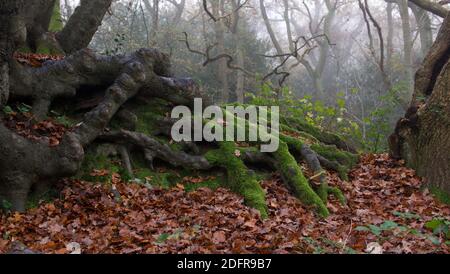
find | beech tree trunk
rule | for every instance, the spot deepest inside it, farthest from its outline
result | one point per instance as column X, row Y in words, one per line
column 422, row 137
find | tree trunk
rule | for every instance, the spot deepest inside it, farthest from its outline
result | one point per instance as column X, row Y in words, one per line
column 390, row 37
column 82, row 25
column 240, row 58
column 240, row 78
column 424, row 25
column 222, row 68
column 422, row 137
column 407, row 44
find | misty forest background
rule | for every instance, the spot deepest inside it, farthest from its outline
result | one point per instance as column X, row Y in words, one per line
column 336, row 79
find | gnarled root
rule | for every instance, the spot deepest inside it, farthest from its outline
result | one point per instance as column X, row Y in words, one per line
column 25, row 163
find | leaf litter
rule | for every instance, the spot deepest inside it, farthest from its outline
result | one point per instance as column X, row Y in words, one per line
column 387, row 212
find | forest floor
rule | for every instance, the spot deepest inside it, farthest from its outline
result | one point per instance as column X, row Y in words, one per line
column 387, row 211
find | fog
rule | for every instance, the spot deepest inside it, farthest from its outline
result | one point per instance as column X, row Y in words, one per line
column 364, row 53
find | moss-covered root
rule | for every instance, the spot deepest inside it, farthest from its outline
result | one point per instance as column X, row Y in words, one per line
column 324, row 191
column 240, row 179
column 322, row 136
column 346, row 160
column 338, row 194
column 292, row 174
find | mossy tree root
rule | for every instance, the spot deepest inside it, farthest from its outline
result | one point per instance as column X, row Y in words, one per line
column 293, row 176
column 321, row 135
column 240, row 179
column 315, row 161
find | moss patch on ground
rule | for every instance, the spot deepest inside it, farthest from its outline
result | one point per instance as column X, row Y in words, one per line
column 440, row 195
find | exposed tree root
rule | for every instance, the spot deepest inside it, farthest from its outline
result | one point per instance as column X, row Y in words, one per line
column 323, row 136
column 292, row 174
column 26, row 163
column 158, row 150
column 128, row 99
column 234, row 159
column 240, row 179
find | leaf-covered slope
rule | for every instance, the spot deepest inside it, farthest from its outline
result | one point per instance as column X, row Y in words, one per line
column 383, row 196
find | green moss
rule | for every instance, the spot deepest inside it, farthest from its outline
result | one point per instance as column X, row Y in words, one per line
column 47, row 45
column 164, row 180
column 292, row 173
column 321, row 135
column 322, row 191
column 42, row 48
column 338, row 194
column 34, row 200
column 149, row 113
column 212, row 184
column 94, row 161
column 24, row 49
column 239, row 178
column 345, row 160
column 440, row 195
column 343, row 172
column 301, row 134
column 293, row 143
column 56, row 23
column 332, row 153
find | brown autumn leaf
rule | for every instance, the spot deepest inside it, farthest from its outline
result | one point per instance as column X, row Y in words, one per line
column 53, row 142
column 99, row 173
column 219, row 237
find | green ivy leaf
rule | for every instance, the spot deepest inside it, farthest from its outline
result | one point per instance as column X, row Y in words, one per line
column 389, row 225
column 434, row 224
column 362, row 228
column 8, row 110
column 375, row 230
column 162, row 238
column 434, row 240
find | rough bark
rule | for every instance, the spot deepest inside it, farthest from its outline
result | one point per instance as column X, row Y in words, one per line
column 26, row 163
column 158, row 150
column 4, row 84
column 82, row 25
column 422, row 136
